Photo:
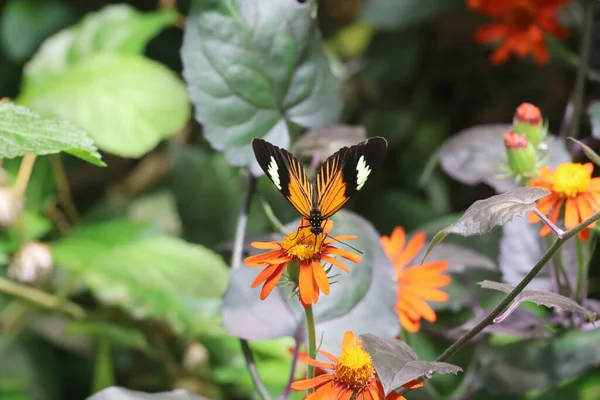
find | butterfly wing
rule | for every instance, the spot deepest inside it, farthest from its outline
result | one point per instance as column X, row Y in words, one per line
column 286, row 173
column 345, row 172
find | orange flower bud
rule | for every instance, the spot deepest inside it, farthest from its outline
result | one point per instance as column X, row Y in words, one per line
column 520, row 154
column 528, row 121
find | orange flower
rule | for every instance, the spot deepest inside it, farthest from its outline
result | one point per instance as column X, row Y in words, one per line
column 353, row 374
column 308, row 250
column 522, row 29
column 571, row 185
column 417, row 283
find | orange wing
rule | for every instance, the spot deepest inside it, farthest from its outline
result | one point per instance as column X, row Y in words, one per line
column 345, row 172
column 286, row 173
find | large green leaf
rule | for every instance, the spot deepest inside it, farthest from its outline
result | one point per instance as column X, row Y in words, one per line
column 150, row 276
column 24, row 24
column 93, row 75
column 23, row 131
column 252, row 67
column 362, row 300
column 119, row 99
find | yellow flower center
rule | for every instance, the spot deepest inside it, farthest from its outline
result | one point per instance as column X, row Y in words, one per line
column 354, row 368
column 571, row 179
column 303, row 245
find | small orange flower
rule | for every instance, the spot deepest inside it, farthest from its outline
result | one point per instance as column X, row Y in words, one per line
column 353, row 374
column 570, row 185
column 308, row 250
column 417, row 284
column 528, row 113
column 522, row 29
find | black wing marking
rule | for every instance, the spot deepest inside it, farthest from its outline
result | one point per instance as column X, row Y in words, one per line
column 286, row 173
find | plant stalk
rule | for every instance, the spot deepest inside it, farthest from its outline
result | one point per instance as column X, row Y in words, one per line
column 582, row 273
column 312, row 341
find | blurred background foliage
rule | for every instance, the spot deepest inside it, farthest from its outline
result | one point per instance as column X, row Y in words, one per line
column 413, row 75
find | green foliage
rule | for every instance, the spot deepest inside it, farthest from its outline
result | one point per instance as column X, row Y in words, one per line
column 23, row 131
column 149, row 276
column 250, row 75
column 93, row 75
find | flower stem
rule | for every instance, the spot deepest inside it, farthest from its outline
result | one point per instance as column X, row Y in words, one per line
column 288, row 386
column 464, row 339
column 584, row 51
column 582, row 272
column 40, row 298
column 64, row 188
column 236, row 262
column 312, row 341
column 562, row 279
column 24, row 172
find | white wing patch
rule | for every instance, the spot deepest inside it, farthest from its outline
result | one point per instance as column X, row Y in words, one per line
column 273, row 171
column 362, row 172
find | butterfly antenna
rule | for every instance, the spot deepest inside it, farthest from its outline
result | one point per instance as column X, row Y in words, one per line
column 344, row 243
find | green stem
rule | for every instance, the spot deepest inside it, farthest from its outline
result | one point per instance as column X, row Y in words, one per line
column 582, row 272
column 236, row 262
column 584, row 51
column 40, row 298
column 312, row 341
column 464, row 339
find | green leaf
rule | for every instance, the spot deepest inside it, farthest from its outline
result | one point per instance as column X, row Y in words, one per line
column 397, row 364
column 517, row 367
column 104, row 374
column 116, row 335
column 119, row 99
column 116, row 29
column 24, row 24
column 541, row 297
column 591, row 154
column 23, row 131
column 483, row 215
column 406, row 13
column 362, row 300
column 149, row 277
column 119, row 393
column 253, row 67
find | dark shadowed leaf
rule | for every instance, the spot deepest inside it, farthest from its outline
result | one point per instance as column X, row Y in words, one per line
column 253, row 67
column 120, row 393
column 594, row 113
column 397, row 364
column 591, row 154
column 404, row 14
column 459, row 258
column 541, row 297
column 521, row 247
column 23, row 131
column 94, row 75
column 517, row 367
column 477, row 155
column 24, row 24
column 323, row 142
column 362, row 301
column 483, row 215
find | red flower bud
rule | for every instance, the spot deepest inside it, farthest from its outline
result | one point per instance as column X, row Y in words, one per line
column 528, row 113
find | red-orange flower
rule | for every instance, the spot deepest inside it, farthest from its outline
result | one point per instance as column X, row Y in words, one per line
column 573, row 187
column 417, row 284
column 524, row 23
column 308, row 250
column 353, row 374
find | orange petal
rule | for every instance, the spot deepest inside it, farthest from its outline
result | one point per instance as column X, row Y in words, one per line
column 412, row 249
column 491, row 32
column 305, row 285
column 585, row 210
column 348, row 255
column 305, row 384
column 571, row 213
column 259, row 260
column 409, row 324
column 350, row 339
column 413, row 385
column 430, row 282
column 330, row 356
column 428, row 294
column 427, row 269
column 411, row 313
column 307, row 360
column 324, row 392
column 264, row 275
column 584, row 234
column 320, row 277
column 271, row 282
column 394, row 244
column 594, row 185
column 420, row 305
column 335, row 262
column 265, row 245
column 552, row 217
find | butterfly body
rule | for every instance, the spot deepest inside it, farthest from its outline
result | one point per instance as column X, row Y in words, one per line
column 338, row 179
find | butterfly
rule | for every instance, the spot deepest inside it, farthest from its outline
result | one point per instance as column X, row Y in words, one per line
column 338, row 179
